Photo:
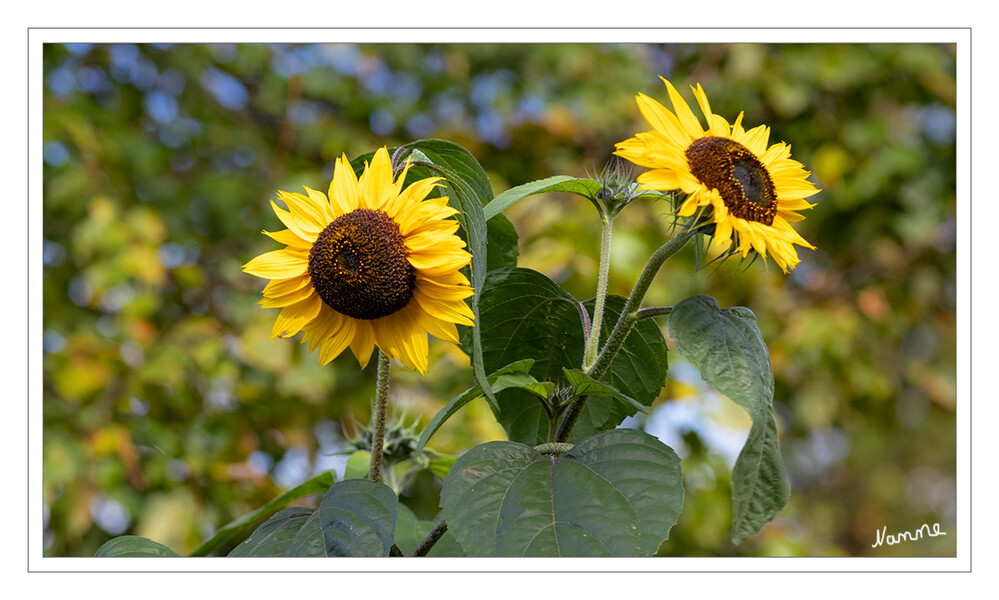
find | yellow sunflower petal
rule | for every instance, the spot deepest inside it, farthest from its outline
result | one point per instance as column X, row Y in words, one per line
column 293, row 225
column 663, row 121
column 428, row 238
column 661, row 180
column 344, row 196
column 281, row 287
column 683, row 113
column 340, row 334
column 287, row 299
column 363, row 343
column 402, row 340
column 455, row 312
column 293, row 318
column 436, row 263
column 438, row 328
column 288, row 238
column 278, row 264
column 375, row 184
column 310, row 214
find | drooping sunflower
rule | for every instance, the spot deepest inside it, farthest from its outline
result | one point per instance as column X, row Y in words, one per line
column 372, row 264
column 748, row 189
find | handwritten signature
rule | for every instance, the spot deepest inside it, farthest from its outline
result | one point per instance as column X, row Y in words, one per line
column 906, row 536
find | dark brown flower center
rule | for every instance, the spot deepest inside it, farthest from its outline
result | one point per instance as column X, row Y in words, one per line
column 358, row 265
column 737, row 174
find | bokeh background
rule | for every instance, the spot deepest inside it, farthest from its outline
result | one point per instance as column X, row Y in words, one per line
column 168, row 411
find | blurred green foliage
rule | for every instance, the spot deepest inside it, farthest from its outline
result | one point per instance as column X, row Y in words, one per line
column 169, row 412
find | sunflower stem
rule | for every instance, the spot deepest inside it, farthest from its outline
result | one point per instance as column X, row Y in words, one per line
column 431, row 539
column 630, row 315
column 381, row 413
column 593, row 338
column 654, row 311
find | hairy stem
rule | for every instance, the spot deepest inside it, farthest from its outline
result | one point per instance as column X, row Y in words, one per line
column 432, row 538
column 654, row 311
column 630, row 315
column 593, row 338
column 381, row 412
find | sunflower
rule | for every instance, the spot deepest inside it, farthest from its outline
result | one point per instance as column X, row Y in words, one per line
column 731, row 177
column 372, row 264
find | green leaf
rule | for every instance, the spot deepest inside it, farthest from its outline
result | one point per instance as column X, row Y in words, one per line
column 459, row 161
column 726, row 346
column 584, row 385
column 588, row 188
column 508, row 198
column 357, row 518
column 274, row 537
column 525, row 314
column 759, row 485
column 133, row 545
column 501, row 248
column 308, row 541
column 512, row 375
column 318, row 484
column 617, row 493
column 468, row 189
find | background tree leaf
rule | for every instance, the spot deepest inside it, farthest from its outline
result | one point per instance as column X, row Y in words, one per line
column 617, row 493
column 274, row 537
column 726, row 346
column 133, row 545
column 357, row 518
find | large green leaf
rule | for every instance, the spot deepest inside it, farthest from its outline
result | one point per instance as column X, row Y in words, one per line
column 134, row 546
column 459, row 161
column 309, row 540
column 316, row 485
column 726, row 346
column 617, row 493
column 357, row 518
column 525, row 314
column 468, row 188
column 501, row 247
column 274, row 537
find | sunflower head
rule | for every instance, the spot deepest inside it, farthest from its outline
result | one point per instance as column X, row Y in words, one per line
column 735, row 184
column 370, row 264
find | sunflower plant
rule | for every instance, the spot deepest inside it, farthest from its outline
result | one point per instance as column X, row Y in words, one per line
column 412, row 244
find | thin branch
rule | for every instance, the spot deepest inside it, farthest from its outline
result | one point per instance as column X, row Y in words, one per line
column 432, row 538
